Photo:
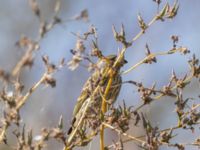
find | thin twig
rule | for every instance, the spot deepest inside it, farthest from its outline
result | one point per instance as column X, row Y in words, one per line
column 149, row 57
column 153, row 20
column 3, row 132
column 158, row 97
column 103, row 109
column 123, row 133
column 31, row 90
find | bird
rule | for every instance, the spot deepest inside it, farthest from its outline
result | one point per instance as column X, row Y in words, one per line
column 87, row 111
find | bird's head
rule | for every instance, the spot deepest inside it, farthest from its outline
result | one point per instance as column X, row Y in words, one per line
column 110, row 60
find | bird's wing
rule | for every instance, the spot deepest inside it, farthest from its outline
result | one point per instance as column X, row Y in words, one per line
column 81, row 99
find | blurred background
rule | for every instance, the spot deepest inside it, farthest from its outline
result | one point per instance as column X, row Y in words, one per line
column 46, row 105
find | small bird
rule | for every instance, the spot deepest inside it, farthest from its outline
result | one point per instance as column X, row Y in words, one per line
column 87, row 111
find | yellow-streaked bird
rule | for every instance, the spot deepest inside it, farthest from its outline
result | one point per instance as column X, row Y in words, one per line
column 87, row 114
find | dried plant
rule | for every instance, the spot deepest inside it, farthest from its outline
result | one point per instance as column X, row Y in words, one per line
column 94, row 110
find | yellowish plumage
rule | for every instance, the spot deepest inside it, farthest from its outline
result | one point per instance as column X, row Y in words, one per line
column 91, row 97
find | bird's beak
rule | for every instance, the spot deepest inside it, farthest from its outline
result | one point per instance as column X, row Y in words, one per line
column 125, row 61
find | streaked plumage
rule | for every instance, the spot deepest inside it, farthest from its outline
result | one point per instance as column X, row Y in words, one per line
column 90, row 94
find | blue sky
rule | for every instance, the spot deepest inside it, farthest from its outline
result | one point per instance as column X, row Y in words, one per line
column 16, row 19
